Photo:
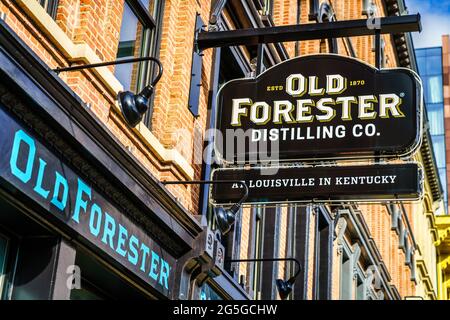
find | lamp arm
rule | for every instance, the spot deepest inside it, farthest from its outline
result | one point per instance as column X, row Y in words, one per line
column 148, row 90
column 111, row 63
column 299, row 268
column 160, row 71
column 244, row 197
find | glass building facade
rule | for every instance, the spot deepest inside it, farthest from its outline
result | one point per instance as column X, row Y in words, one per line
column 429, row 62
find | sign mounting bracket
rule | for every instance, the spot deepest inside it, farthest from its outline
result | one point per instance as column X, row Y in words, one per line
column 301, row 32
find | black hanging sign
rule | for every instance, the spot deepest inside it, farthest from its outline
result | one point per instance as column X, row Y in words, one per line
column 373, row 183
column 316, row 107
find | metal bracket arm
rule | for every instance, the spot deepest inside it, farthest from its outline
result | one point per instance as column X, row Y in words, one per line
column 312, row 31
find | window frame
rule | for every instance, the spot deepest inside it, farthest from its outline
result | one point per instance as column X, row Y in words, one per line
column 267, row 9
column 360, row 276
column 150, row 44
column 346, row 276
column 257, row 240
column 323, row 244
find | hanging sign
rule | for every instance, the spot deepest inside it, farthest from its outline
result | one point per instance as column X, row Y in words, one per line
column 373, row 183
column 316, row 107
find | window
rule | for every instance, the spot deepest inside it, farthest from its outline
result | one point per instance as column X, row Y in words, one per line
column 258, row 253
column 276, row 242
column 87, row 291
column 184, row 284
column 413, row 266
column 322, row 277
column 346, row 277
column 3, row 252
column 207, row 292
column 8, row 255
column 439, row 150
column 436, row 118
column 360, row 288
column 268, row 7
column 50, row 6
column 434, row 62
column 433, row 89
column 139, row 37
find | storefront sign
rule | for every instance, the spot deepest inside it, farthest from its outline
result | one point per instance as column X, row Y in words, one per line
column 39, row 174
column 320, row 106
column 380, row 182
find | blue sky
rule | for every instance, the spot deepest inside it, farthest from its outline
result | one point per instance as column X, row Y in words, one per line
column 435, row 21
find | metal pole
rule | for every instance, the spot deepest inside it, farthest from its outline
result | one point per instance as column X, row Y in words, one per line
column 378, row 48
column 260, row 59
column 310, row 31
column 110, row 63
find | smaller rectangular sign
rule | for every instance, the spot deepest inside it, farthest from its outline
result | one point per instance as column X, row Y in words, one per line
column 370, row 183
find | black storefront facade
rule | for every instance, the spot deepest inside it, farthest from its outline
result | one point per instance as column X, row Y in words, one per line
column 80, row 218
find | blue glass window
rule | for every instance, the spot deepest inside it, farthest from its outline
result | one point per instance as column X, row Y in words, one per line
column 139, row 37
column 436, row 118
column 433, row 87
column 421, row 64
column 443, row 177
column 434, row 65
column 421, row 53
column 129, row 47
column 436, row 51
column 429, row 62
column 439, row 150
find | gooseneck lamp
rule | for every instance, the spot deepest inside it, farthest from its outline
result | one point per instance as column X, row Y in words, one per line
column 133, row 106
column 225, row 218
column 284, row 287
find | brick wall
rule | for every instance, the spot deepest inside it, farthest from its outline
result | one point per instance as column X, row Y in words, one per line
column 96, row 23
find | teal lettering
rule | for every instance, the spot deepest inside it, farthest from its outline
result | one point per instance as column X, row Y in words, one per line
column 164, row 274
column 38, row 187
column 60, row 181
column 109, row 230
column 95, row 220
column 123, row 235
column 154, row 266
column 133, row 244
column 79, row 202
column 25, row 175
column 145, row 251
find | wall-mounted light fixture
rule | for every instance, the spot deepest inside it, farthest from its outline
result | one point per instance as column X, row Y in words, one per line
column 284, row 287
column 225, row 217
column 133, row 106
